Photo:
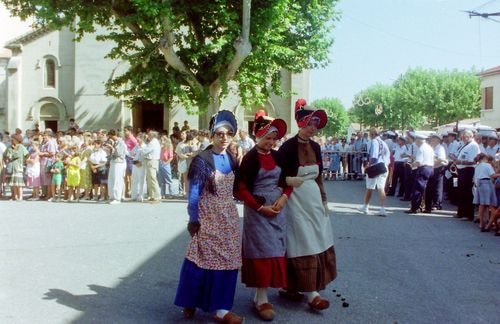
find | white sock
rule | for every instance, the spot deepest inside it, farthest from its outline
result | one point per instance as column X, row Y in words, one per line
column 311, row 295
column 260, row 296
column 221, row 313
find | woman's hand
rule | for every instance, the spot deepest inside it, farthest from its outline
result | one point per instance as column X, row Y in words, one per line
column 294, row 181
column 268, row 211
column 193, row 228
column 280, row 203
column 327, row 209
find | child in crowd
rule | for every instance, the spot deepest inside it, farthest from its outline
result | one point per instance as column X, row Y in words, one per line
column 73, row 175
column 485, row 195
column 85, row 172
column 33, row 171
column 57, row 177
column 97, row 161
column 326, row 165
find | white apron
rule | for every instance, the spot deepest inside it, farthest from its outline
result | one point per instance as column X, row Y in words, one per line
column 309, row 230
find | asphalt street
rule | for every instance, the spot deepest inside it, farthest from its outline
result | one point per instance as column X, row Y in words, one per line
column 97, row 263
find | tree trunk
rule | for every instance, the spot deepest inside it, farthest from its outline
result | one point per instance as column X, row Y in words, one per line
column 213, row 107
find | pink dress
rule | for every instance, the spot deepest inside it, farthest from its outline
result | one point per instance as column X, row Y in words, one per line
column 33, row 171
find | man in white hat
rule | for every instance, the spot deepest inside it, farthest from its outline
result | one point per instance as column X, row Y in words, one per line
column 398, row 175
column 465, row 165
column 410, row 170
column 424, row 163
column 492, row 149
column 434, row 191
column 451, row 153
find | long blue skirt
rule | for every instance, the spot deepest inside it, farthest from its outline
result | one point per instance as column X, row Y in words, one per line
column 209, row 290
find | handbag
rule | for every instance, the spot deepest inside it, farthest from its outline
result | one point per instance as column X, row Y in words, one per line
column 375, row 170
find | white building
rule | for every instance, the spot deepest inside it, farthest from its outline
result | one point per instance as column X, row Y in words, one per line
column 490, row 92
column 47, row 78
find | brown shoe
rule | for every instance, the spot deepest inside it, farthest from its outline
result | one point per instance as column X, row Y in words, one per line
column 291, row 295
column 188, row 312
column 319, row 304
column 229, row 318
column 265, row 311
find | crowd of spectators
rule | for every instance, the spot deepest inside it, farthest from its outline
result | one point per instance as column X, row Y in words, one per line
column 100, row 165
column 117, row 165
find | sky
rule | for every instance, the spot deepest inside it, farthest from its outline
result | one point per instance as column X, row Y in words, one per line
column 378, row 40
column 10, row 27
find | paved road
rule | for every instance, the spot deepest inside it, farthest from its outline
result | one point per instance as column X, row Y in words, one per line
column 97, row 263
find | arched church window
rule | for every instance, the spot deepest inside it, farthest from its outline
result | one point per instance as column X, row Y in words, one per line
column 50, row 73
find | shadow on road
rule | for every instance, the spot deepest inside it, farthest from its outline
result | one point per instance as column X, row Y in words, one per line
column 145, row 296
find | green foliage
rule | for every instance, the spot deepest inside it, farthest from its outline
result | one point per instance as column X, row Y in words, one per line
column 338, row 120
column 365, row 106
column 441, row 96
column 419, row 97
column 289, row 34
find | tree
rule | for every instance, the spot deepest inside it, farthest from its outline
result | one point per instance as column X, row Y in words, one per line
column 441, row 96
column 376, row 106
column 419, row 97
column 338, row 120
column 191, row 50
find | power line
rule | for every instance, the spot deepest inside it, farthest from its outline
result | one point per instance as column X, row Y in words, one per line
column 415, row 42
column 484, row 5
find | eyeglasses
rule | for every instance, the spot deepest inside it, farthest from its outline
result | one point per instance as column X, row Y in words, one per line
column 315, row 121
column 222, row 134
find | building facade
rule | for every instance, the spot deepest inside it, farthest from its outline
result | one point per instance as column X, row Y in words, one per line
column 46, row 78
column 490, row 101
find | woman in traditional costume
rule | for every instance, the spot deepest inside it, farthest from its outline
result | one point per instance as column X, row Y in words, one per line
column 263, row 190
column 311, row 263
column 210, row 270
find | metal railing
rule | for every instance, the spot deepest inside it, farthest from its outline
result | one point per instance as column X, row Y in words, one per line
column 341, row 165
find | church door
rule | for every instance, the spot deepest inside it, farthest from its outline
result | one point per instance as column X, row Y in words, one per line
column 49, row 116
column 148, row 115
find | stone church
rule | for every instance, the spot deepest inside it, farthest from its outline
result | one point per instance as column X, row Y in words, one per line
column 46, row 78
